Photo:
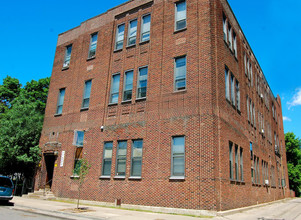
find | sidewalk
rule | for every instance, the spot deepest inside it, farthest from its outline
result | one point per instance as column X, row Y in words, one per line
column 66, row 210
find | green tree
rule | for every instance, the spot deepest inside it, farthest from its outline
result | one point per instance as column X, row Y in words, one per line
column 293, row 155
column 9, row 90
column 82, row 170
column 21, row 124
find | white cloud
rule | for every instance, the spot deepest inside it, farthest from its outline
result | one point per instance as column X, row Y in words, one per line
column 296, row 100
column 286, row 118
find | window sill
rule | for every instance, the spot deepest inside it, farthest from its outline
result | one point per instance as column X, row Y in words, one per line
column 140, row 99
column 180, row 30
column 177, row 178
column 119, row 177
column 112, row 104
column 74, row 177
column 57, row 115
column 65, row 68
column 91, row 58
column 105, row 177
column 135, row 178
column 144, row 42
column 116, row 51
column 126, row 101
column 180, row 91
column 84, row 109
column 130, row 46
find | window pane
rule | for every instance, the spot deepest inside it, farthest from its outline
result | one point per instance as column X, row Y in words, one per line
column 136, row 167
column 178, row 145
column 122, row 145
column 80, row 138
column 178, row 166
column 120, row 37
column 128, row 86
column 107, row 167
column 132, row 32
column 67, row 56
column 115, row 88
column 121, row 167
column 146, row 20
column 181, row 10
column 180, row 73
column 136, row 157
column 142, row 82
column 87, row 89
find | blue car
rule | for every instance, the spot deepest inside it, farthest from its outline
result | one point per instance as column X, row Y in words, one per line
column 6, row 188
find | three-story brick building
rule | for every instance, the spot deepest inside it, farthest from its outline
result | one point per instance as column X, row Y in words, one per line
column 169, row 105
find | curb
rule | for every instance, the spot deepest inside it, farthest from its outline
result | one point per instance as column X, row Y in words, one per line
column 234, row 211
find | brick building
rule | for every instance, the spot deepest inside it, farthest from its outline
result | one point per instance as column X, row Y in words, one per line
column 169, row 105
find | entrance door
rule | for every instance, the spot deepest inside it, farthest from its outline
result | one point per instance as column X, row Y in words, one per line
column 49, row 161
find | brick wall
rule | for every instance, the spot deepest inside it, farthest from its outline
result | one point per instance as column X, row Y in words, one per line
column 200, row 113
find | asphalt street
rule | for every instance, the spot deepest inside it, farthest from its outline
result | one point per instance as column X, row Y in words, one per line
column 8, row 213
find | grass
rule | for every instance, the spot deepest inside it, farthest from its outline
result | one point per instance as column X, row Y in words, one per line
column 130, row 209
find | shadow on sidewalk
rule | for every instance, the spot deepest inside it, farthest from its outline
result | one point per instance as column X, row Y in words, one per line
column 6, row 203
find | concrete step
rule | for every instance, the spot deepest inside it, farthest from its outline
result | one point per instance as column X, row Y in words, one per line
column 41, row 194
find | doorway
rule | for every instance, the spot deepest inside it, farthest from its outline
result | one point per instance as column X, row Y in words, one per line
column 49, row 161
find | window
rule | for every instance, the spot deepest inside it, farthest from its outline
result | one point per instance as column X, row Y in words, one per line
column 241, row 165
column 136, row 161
column 251, row 150
column 237, row 95
column 254, row 116
column 107, row 158
column 235, row 44
column 78, row 139
column 93, row 45
column 180, row 15
column 115, row 88
column 119, row 37
column 248, row 108
column 232, row 89
column 230, row 36
column 245, row 64
column 180, row 73
column 145, row 27
column 231, row 160
column 178, row 157
column 257, row 172
column 236, row 162
column 251, row 111
column 142, row 82
column 67, row 56
column 121, row 158
column 60, row 101
column 128, row 85
column 132, row 32
column 77, row 160
column 225, row 28
column 87, row 91
column 227, row 83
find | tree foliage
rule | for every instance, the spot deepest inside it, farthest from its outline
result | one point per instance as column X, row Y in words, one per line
column 21, row 124
column 83, row 171
column 293, row 155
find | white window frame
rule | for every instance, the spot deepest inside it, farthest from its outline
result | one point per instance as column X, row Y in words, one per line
column 225, row 28
column 116, row 37
column 86, row 96
column 143, row 32
column 176, row 17
column 125, row 83
column 182, row 155
column 67, row 57
column 104, row 159
column 175, row 71
column 59, row 104
column 111, row 90
column 121, row 157
column 133, row 158
column 92, row 44
column 138, row 83
column 129, row 32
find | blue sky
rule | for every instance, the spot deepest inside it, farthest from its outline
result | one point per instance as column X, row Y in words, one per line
column 29, row 31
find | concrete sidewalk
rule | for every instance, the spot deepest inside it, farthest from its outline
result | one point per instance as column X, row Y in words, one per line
column 66, row 210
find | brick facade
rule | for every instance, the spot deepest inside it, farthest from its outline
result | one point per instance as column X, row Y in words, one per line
column 200, row 112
